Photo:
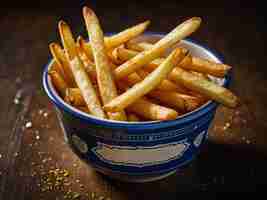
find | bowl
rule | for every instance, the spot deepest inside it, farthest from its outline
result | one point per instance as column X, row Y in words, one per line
column 137, row 151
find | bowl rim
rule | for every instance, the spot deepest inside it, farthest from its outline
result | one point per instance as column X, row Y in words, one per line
column 185, row 118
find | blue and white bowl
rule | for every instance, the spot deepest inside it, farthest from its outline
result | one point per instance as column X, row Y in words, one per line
column 136, row 151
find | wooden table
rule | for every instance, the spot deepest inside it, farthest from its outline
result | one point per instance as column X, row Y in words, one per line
column 234, row 158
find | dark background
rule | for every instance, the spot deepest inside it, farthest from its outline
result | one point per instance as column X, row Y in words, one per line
column 234, row 160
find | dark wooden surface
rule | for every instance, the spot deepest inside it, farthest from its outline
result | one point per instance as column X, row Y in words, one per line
column 234, row 158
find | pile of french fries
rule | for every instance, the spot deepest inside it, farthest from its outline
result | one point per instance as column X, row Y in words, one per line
column 116, row 78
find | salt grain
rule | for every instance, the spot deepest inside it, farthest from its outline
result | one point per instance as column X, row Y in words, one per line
column 37, row 137
column 28, row 125
column 45, row 114
column 16, row 101
column 41, row 112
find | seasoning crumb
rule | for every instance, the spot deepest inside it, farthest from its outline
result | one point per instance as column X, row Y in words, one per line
column 243, row 138
column 0, row 155
column 45, row 114
column 40, row 111
column 226, row 126
column 75, row 165
column 16, row 101
column 28, row 125
column 16, row 154
column 248, row 141
column 37, row 137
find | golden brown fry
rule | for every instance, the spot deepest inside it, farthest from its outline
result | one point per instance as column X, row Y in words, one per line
column 134, row 78
column 165, row 85
column 117, row 39
column 58, row 82
column 62, row 63
column 74, row 97
column 191, row 63
column 148, row 84
column 180, row 32
column 182, row 102
column 105, row 80
column 89, row 66
column 132, row 118
column 83, row 109
column 141, row 46
column 77, row 68
column 208, row 67
column 121, row 54
column 204, row 87
column 152, row 111
column 57, row 66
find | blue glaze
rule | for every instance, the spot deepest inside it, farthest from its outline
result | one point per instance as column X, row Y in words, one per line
column 126, row 150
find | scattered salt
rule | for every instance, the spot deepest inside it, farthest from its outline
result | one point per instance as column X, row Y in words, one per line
column 28, row 125
column 16, row 101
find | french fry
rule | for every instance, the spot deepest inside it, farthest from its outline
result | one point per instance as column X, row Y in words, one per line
column 131, row 79
column 74, row 97
column 140, row 46
column 105, row 80
column 165, row 85
column 192, row 63
column 77, row 68
column 89, row 66
column 58, row 82
column 133, row 118
column 57, row 66
column 83, row 109
column 204, row 87
column 148, row 84
column 62, row 61
column 117, row 39
column 180, row 32
column 152, row 111
column 182, row 102
column 208, row 67
column 142, row 107
column 121, row 54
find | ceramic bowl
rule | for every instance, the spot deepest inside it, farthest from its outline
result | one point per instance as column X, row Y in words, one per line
column 137, row 151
